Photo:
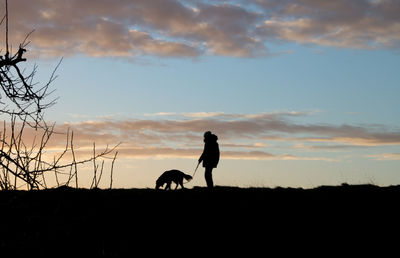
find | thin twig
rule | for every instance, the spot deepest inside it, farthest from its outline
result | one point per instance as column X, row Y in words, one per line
column 112, row 169
column 7, row 53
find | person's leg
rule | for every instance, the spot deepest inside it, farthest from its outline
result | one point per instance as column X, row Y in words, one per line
column 208, row 176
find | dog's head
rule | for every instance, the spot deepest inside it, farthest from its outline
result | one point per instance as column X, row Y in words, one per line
column 188, row 177
column 159, row 184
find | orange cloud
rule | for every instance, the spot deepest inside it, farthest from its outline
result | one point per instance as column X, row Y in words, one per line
column 185, row 28
column 385, row 156
column 242, row 136
column 351, row 24
column 270, row 126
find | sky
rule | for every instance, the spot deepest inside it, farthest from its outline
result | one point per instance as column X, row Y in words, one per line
column 301, row 93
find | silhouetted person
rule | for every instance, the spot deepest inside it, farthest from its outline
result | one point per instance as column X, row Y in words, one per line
column 210, row 156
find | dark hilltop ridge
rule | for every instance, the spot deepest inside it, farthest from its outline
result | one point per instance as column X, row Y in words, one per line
column 122, row 222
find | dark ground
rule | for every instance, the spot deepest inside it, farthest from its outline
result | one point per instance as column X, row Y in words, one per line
column 124, row 222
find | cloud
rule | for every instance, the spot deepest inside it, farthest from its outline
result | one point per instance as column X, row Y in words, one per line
column 145, row 43
column 352, row 24
column 191, row 153
column 203, row 114
column 368, row 139
column 186, row 28
column 241, row 136
column 165, row 28
column 328, row 147
column 194, row 153
column 385, row 156
column 244, row 126
column 261, row 136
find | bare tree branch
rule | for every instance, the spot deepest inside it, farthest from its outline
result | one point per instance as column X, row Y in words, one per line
column 23, row 101
column 30, row 163
column 24, row 97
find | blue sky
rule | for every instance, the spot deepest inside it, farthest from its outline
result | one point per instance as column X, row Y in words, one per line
column 344, row 85
column 298, row 93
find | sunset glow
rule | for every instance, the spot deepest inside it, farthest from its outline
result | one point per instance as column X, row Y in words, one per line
column 300, row 93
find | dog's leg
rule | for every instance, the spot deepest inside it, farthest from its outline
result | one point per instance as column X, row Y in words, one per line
column 168, row 187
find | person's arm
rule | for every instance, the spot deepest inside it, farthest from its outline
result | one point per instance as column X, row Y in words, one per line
column 201, row 157
column 203, row 154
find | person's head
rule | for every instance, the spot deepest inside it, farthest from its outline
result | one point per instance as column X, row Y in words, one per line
column 208, row 137
column 207, row 134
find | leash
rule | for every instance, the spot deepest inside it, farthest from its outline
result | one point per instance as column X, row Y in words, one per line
column 196, row 169
column 193, row 173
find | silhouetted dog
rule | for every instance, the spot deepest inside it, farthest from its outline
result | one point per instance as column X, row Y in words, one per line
column 170, row 176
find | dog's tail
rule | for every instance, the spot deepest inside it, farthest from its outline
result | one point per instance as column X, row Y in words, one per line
column 187, row 177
